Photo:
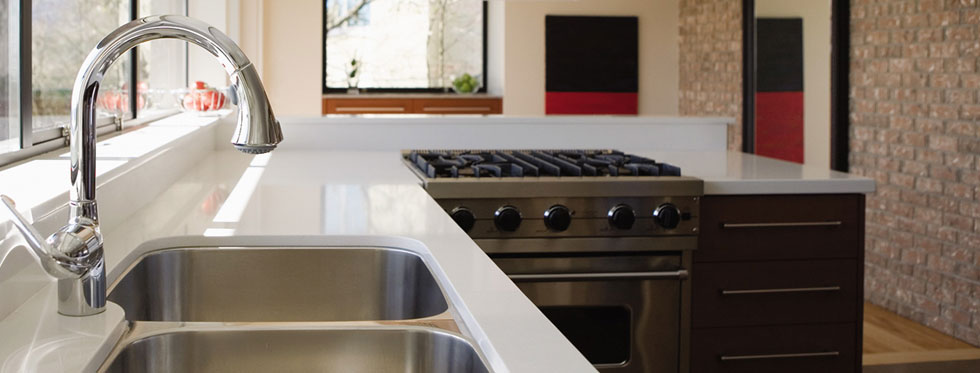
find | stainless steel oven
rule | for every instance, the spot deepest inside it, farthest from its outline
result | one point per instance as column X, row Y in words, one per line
column 622, row 312
column 599, row 240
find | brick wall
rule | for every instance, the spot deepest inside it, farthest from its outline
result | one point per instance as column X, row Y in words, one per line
column 914, row 128
column 711, row 61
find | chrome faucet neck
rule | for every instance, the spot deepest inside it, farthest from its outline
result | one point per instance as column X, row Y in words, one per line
column 74, row 254
column 247, row 92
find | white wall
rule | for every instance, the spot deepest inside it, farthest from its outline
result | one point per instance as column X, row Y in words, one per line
column 816, row 16
column 524, row 64
column 290, row 50
column 249, row 36
column 281, row 38
column 496, row 17
column 292, row 55
column 201, row 65
column 166, row 57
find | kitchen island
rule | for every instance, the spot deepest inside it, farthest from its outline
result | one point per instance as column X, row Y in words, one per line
column 304, row 196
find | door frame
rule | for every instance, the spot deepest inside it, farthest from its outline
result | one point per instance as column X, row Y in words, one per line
column 840, row 125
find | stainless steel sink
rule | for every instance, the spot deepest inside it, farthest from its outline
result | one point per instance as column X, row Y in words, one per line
column 349, row 350
column 277, row 284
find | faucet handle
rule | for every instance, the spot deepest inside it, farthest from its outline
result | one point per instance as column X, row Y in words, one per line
column 33, row 237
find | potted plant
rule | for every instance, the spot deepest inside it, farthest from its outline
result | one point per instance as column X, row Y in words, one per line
column 466, row 84
column 353, row 75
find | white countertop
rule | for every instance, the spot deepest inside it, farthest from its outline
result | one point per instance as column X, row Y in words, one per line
column 728, row 172
column 312, row 197
column 306, row 198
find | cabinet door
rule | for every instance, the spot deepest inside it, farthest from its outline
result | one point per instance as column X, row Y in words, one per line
column 749, row 228
column 457, row 106
column 791, row 348
column 366, row 106
column 775, row 292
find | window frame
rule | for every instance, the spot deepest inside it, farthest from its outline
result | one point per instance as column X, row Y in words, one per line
column 33, row 143
column 323, row 63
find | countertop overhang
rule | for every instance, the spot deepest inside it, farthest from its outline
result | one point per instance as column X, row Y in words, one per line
column 298, row 195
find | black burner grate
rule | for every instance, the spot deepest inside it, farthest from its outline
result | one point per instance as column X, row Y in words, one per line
column 520, row 163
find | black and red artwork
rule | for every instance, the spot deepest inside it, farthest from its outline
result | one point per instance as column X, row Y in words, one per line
column 779, row 88
column 591, row 65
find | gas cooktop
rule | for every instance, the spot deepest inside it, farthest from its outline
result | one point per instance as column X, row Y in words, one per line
column 535, row 163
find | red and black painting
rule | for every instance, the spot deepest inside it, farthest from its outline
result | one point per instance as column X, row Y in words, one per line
column 779, row 88
column 591, row 65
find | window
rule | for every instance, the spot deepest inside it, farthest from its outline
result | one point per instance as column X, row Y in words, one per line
column 60, row 41
column 161, row 64
column 41, row 50
column 9, row 87
column 402, row 45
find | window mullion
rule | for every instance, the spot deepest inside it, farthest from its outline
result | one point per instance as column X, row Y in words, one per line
column 133, row 66
column 24, row 74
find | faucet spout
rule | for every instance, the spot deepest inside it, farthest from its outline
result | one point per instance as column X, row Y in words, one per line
column 257, row 130
column 74, row 254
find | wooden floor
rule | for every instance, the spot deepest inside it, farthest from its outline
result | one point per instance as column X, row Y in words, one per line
column 892, row 339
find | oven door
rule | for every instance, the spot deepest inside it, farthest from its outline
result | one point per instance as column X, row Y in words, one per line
column 622, row 312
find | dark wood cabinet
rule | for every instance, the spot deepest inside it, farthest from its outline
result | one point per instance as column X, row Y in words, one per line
column 457, row 106
column 777, row 284
column 366, row 106
column 775, row 292
column 411, row 104
column 781, row 348
column 751, row 228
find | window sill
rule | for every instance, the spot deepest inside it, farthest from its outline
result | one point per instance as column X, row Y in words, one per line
column 407, row 103
column 39, row 184
column 407, row 95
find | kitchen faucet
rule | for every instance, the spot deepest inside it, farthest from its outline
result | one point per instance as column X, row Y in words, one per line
column 74, row 254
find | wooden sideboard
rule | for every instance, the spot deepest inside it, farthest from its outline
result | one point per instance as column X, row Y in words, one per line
column 411, row 104
column 777, row 284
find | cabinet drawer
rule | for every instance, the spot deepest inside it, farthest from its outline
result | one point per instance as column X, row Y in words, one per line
column 750, row 228
column 458, row 106
column 771, row 293
column 366, row 106
column 797, row 348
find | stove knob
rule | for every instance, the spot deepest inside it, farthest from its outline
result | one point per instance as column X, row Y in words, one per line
column 622, row 217
column 557, row 218
column 463, row 217
column 667, row 216
column 507, row 218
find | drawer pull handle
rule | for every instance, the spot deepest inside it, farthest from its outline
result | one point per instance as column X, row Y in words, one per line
column 543, row 277
column 347, row 109
column 783, row 225
column 779, row 356
column 783, row 290
column 456, row 108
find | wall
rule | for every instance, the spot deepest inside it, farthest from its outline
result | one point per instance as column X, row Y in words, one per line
column 711, row 61
column 816, row 70
column 201, row 65
column 914, row 129
column 495, row 47
column 249, row 36
column 291, row 65
column 268, row 32
column 292, row 55
column 523, row 69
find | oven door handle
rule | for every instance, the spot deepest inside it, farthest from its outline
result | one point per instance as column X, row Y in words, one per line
column 679, row 274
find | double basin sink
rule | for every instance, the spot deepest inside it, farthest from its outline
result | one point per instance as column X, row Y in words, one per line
column 341, row 309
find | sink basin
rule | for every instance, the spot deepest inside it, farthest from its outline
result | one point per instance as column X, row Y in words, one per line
column 402, row 350
column 278, row 284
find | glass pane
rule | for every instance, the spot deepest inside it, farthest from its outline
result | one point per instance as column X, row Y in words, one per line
column 793, row 43
column 601, row 333
column 9, row 102
column 403, row 43
column 161, row 64
column 64, row 32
